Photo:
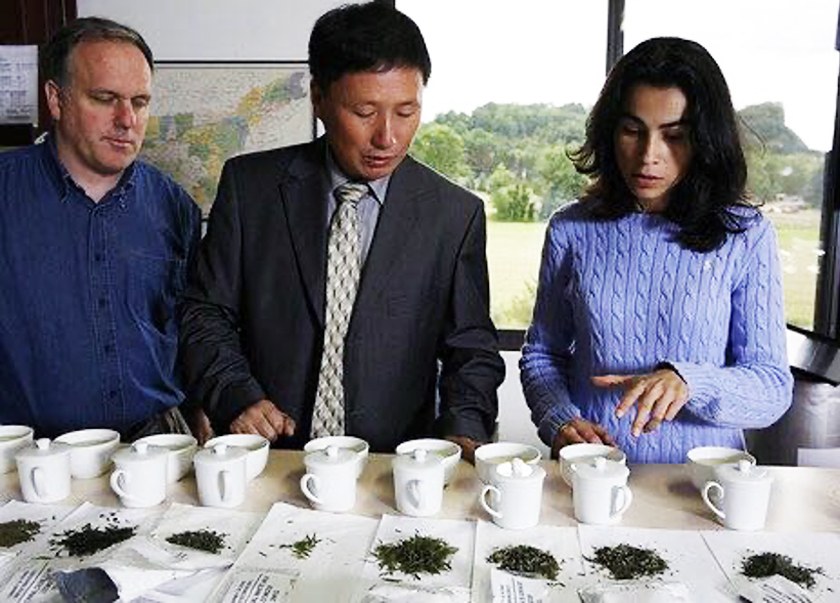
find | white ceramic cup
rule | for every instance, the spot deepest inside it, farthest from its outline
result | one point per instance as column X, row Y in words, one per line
column 418, row 483
column 221, row 475
column 488, row 456
column 330, row 479
column 12, row 439
column 599, row 491
column 449, row 453
column 182, row 448
column 704, row 460
column 743, row 491
column 140, row 475
column 256, row 445
column 516, row 490
column 585, row 453
column 355, row 445
column 90, row 451
column 44, row 471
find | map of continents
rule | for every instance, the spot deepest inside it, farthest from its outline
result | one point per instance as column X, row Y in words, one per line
column 203, row 115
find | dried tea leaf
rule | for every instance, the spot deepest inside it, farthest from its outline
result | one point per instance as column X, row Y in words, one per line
column 208, row 541
column 525, row 560
column 416, row 555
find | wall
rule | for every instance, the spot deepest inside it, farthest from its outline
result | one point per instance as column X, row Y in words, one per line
column 217, row 29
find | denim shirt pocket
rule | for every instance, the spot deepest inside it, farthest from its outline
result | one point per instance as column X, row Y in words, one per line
column 154, row 284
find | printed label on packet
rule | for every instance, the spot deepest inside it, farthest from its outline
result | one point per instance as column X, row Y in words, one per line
column 508, row 588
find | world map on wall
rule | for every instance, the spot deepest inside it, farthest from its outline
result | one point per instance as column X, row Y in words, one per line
column 203, row 115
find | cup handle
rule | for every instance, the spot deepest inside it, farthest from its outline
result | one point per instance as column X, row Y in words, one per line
column 39, row 482
column 626, row 495
column 705, row 493
column 225, row 486
column 307, row 492
column 117, row 478
column 486, row 505
column 415, row 494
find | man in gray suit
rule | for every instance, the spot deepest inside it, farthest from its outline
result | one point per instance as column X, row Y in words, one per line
column 277, row 338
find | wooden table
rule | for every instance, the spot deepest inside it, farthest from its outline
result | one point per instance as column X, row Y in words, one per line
column 803, row 498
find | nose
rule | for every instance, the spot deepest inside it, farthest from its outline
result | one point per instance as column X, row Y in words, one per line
column 383, row 135
column 124, row 114
column 652, row 147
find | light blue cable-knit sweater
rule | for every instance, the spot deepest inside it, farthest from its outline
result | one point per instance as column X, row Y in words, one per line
column 621, row 296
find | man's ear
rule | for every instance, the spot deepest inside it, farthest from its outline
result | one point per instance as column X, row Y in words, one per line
column 53, row 93
column 317, row 96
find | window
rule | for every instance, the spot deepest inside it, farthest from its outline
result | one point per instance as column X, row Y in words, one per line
column 509, row 92
column 779, row 60
column 507, row 99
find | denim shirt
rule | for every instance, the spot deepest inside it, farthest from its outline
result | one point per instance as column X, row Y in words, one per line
column 87, row 294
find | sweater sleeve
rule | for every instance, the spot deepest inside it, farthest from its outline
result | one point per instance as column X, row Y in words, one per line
column 549, row 341
column 755, row 388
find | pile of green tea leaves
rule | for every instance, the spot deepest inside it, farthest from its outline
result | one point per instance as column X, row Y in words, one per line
column 626, row 562
column 764, row 565
column 302, row 548
column 416, row 555
column 525, row 560
column 208, row 541
column 17, row 531
column 88, row 540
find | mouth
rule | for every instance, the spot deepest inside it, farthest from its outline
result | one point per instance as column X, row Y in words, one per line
column 646, row 180
column 120, row 143
column 378, row 161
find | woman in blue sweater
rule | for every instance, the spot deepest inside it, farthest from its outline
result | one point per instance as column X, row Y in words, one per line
column 659, row 322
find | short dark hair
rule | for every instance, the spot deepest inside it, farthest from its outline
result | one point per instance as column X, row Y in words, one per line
column 704, row 202
column 55, row 55
column 365, row 37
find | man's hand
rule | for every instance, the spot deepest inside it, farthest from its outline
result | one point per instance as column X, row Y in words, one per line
column 468, row 446
column 579, row 431
column 658, row 396
column 199, row 424
column 265, row 419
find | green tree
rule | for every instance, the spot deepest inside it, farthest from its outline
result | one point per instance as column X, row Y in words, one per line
column 562, row 182
column 511, row 198
column 442, row 148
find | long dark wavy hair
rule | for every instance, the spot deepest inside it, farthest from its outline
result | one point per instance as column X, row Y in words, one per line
column 710, row 201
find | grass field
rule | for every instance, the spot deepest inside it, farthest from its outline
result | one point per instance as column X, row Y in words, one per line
column 513, row 253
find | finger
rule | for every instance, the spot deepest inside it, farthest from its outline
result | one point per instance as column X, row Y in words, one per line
column 652, row 425
column 276, row 418
column 674, row 408
column 568, row 434
column 606, row 438
column 644, row 407
column 629, row 398
column 290, row 426
column 611, row 380
column 587, row 432
column 259, row 423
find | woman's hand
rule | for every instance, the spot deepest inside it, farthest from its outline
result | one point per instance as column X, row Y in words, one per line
column 578, row 431
column 658, row 396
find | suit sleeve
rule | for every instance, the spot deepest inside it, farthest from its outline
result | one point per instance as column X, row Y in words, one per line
column 471, row 367
column 216, row 370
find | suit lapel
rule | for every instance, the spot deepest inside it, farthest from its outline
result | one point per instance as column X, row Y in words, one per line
column 397, row 223
column 303, row 194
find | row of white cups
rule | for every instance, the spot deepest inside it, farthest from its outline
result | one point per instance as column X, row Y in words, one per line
column 731, row 484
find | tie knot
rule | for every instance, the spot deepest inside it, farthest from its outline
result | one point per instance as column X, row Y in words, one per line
column 351, row 192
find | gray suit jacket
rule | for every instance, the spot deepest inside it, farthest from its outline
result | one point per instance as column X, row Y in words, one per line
column 253, row 314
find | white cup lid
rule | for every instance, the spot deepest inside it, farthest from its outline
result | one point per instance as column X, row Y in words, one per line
column 601, row 468
column 43, row 447
column 742, row 471
column 220, row 453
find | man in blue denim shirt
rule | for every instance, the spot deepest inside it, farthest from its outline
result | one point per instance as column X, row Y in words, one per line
column 93, row 250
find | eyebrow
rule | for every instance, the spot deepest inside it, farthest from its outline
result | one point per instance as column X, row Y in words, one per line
column 671, row 124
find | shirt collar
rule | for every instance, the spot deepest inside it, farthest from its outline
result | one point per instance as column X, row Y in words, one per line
column 379, row 188
column 64, row 179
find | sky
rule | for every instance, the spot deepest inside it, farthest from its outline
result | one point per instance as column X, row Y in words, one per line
column 554, row 51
